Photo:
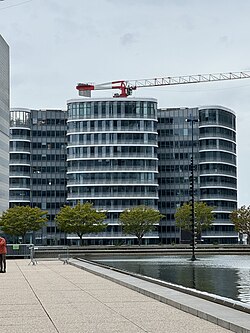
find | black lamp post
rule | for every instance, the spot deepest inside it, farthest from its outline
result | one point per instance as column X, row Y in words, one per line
column 192, row 121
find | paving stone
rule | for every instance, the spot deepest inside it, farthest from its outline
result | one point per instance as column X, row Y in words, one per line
column 56, row 298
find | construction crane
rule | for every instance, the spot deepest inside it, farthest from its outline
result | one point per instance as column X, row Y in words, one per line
column 126, row 87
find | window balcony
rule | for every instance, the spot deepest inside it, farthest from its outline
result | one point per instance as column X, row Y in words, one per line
column 113, row 168
column 218, row 196
column 19, row 161
column 20, row 173
column 19, row 199
column 219, row 233
column 112, row 182
column 218, row 172
column 218, row 184
column 19, row 149
column 114, row 195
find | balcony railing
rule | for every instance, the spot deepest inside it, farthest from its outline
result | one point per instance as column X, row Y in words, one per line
column 20, row 137
column 219, row 233
column 218, row 196
column 114, row 208
column 20, row 174
column 117, row 234
column 223, row 209
column 19, row 149
column 20, row 186
column 216, row 135
column 120, row 155
column 218, row 184
column 218, row 159
column 215, row 148
column 111, row 182
column 114, row 168
column 19, row 198
column 115, row 195
column 218, row 172
column 19, row 161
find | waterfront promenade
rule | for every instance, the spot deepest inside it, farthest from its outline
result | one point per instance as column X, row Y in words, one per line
column 54, row 298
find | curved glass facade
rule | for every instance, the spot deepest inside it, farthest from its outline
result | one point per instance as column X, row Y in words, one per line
column 38, row 166
column 218, row 180
column 215, row 172
column 112, row 158
column 20, row 149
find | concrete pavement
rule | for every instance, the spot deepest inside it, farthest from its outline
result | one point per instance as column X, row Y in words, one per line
column 55, row 298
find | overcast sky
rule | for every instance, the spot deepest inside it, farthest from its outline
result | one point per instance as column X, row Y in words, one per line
column 55, row 44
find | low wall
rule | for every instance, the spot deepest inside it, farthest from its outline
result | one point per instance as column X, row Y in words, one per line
column 23, row 250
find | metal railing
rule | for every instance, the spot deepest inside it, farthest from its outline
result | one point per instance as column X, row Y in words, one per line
column 35, row 253
column 50, row 253
column 18, row 250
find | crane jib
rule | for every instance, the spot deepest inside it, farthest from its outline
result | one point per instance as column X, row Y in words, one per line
column 126, row 87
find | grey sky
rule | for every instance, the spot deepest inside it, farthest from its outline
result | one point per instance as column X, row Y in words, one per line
column 57, row 43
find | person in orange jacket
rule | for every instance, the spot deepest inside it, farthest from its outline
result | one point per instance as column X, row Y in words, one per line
column 3, row 251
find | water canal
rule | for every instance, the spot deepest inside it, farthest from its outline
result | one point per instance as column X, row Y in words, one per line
column 224, row 275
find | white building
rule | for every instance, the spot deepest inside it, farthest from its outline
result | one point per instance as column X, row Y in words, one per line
column 4, row 125
column 112, row 159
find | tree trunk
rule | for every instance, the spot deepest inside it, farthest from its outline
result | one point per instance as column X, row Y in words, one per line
column 81, row 240
column 198, row 238
column 139, row 241
column 23, row 238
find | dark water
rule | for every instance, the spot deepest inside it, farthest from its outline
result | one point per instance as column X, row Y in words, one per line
column 224, row 275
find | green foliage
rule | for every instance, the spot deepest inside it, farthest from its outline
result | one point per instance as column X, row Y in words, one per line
column 139, row 220
column 202, row 213
column 81, row 219
column 241, row 219
column 18, row 220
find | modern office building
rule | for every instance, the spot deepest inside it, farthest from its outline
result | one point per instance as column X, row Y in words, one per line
column 38, row 165
column 4, row 124
column 112, row 159
column 115, row 159
column 214, row 156
column 20, row 157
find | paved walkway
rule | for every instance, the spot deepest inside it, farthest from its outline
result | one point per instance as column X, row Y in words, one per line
column 51, row 297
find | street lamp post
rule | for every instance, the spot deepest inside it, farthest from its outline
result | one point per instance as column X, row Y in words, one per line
column 192, row 121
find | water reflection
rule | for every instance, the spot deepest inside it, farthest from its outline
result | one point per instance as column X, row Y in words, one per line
column 224, row 275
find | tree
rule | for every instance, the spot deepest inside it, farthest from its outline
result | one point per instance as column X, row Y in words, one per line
column 241, row 219
column 81, row 219
column 18, row 220
column 139, row 220
column 203, row 217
